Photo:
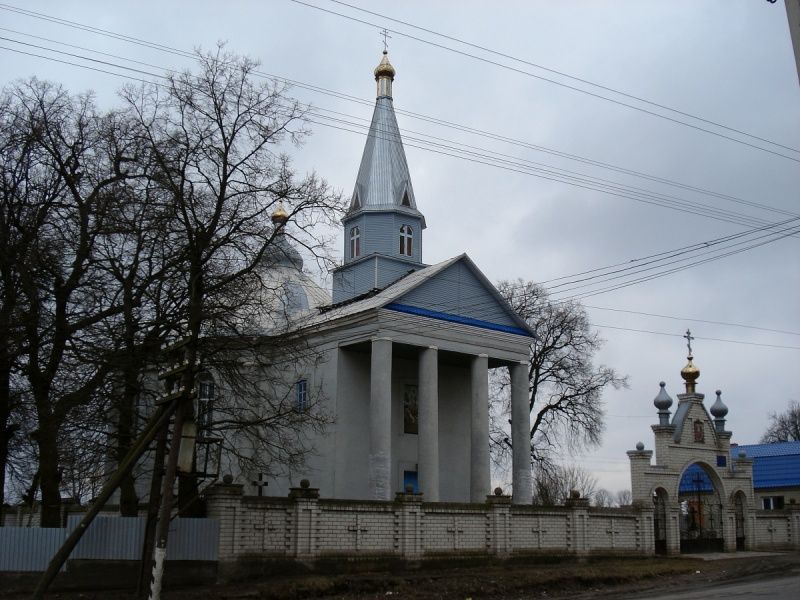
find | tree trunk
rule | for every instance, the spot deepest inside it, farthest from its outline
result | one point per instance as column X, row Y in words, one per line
column 50, row 478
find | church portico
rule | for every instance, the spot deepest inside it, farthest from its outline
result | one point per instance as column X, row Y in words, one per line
column 410, row 389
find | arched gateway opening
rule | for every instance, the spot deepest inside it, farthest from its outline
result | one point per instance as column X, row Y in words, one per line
column 660, row 500
column 739, row 511
column 701, row 510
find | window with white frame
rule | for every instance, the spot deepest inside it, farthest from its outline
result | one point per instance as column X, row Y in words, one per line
column 301, row 395
column 772, row 503
column 406, row 237
column 355, row 242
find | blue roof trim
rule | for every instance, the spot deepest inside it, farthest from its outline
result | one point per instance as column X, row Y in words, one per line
column 424, row 312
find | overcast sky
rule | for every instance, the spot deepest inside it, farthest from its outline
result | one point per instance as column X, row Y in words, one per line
column 727, row 61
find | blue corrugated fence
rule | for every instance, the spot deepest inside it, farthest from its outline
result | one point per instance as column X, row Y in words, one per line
column 108, row 538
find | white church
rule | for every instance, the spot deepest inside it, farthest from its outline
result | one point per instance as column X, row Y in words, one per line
column 405, row 349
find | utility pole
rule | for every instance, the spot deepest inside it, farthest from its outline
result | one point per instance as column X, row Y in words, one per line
column 178, row 379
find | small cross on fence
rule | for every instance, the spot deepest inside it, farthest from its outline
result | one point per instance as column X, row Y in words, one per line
column 539, row 531
column 772, row 530
column 260, row 484
column 612, row 532
column 455, row 530
column 357, row 529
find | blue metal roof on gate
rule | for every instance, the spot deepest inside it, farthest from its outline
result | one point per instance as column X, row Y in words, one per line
column 695, row 479
column 775, row 465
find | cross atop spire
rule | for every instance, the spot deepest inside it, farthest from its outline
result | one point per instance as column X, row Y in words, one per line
column 689, row 339
column 385, row 33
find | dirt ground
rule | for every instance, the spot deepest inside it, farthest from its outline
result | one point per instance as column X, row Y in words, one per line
column 590, row 578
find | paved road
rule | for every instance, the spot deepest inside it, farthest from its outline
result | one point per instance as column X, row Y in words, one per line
column 784, row 588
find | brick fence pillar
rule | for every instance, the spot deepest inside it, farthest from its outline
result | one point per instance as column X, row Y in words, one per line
column 224, row 503
column 499, row 517
column 794, row 525
column 408, row 525
column 577, row 523
column 306, row 514
column 645, row 532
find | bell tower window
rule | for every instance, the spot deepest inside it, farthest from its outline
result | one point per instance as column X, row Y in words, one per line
column 406, row 238
column 355, row 242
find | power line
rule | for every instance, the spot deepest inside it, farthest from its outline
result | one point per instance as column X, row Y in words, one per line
column 693, row 320
column 568, row 177
column 563, row 74
column 426, row 118
column 156, row 75
column 555, row 82
column 698, row 337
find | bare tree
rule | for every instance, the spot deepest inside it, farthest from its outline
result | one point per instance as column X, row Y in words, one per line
column 213, row 139
column 624, row 498
column 59, row 310
column 602, row 498
column 554, row 485
column 785, row 426
column 565, row 387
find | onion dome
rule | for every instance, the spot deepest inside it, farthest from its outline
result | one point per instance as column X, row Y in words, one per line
column 280, row 216
column 718, row 409
column 384, row 68
column 662, row 401
column 690, row 373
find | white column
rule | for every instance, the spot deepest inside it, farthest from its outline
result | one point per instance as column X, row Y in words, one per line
column 428, row 414
column 380, row 420
column 480, row 481
column 520, row 434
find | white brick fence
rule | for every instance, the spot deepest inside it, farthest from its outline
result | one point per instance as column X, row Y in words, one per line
column 305, row 527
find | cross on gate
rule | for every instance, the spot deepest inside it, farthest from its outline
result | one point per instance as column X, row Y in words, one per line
column 689, row 339
column 539, row 531
column 612, row 532
column 260, row 484
column 357, row 529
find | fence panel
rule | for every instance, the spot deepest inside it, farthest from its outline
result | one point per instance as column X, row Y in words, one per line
column 193, row 539
column 107, row 538
column 28, row 548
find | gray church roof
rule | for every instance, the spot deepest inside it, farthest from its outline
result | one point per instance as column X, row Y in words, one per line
column 386, row 298
column 383, row 181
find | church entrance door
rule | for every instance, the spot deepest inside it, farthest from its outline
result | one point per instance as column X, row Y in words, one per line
column 700, row 512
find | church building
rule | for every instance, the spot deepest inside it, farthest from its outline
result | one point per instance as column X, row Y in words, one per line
column 405, row 349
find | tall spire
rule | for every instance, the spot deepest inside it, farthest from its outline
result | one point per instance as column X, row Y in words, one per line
column 383, row 181
column 382, row 227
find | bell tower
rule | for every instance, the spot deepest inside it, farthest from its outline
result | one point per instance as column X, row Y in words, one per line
column 382, row 226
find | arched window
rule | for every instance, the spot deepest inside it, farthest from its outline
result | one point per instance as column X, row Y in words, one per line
column 406, row 237
column 355, row 242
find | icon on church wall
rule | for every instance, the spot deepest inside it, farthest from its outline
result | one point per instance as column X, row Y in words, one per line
column 699, row 432
column 410, row 424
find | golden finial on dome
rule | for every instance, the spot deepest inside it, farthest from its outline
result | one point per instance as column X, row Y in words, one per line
column 690, row 372
column 384, row 72
column 280, row 216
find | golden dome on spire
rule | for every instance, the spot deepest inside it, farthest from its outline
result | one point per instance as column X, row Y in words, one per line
column 280, row 216
column 384, row 68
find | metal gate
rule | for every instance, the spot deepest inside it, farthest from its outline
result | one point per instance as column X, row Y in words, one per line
column 701, row 513
column 660, row 521
column 741, row 540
